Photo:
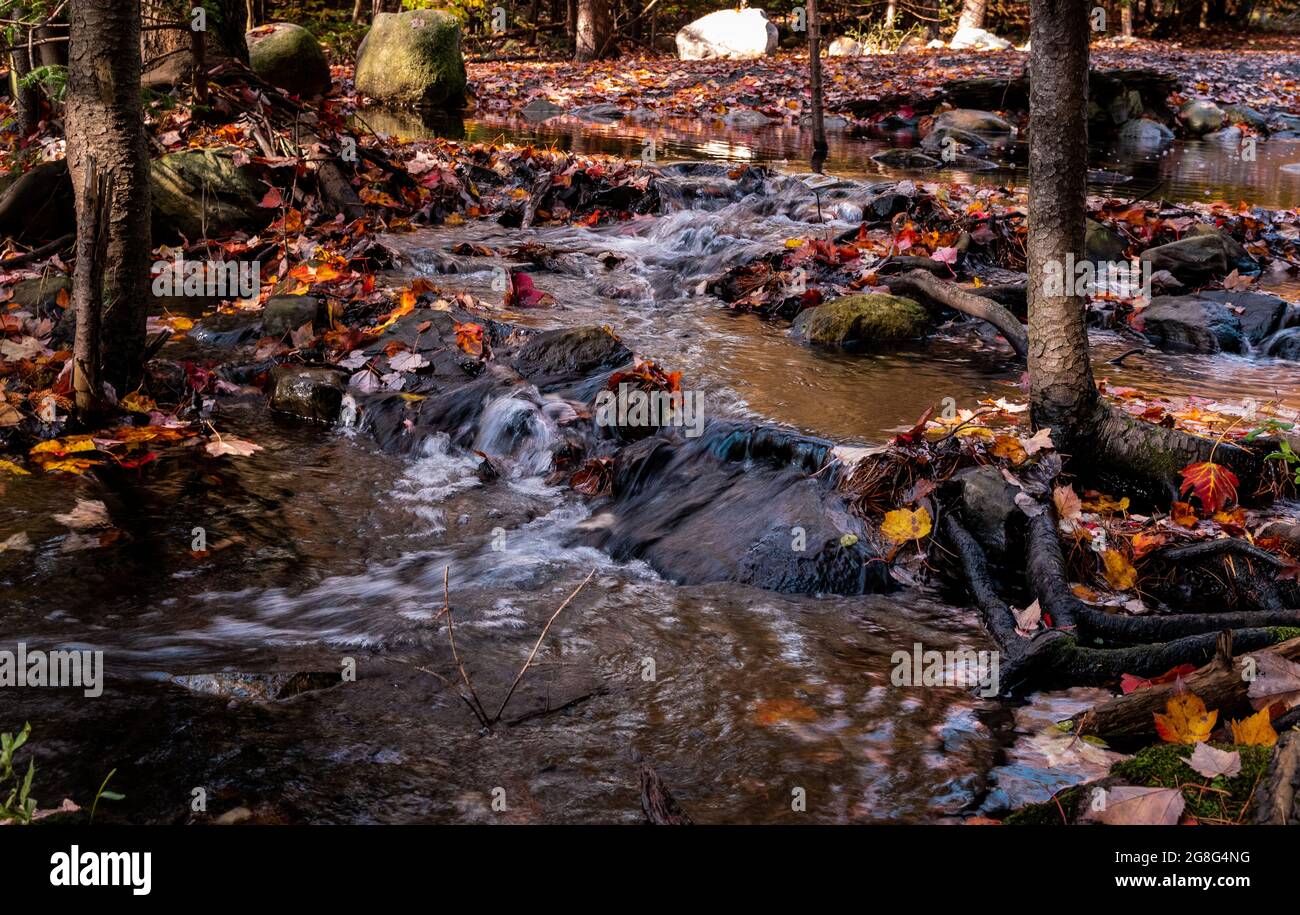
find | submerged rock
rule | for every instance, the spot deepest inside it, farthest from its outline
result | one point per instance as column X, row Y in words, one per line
column 1145, row 132
column 1200, row 117
column 739, row 504
column 227, row 330
column 1188, row 323
column 413, row 58
column 258, row 687
column 867, row 320
column 906, row 158
column 309, row 392
column 728, row 35
column 288, row 56
column 568, row 353
column 1285, row 344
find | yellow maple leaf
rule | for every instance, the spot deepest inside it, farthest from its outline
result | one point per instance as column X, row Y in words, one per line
column 1185, row 720
column 1255, row 731
column 1120, row 573
column 903, row 524
column 11, row 467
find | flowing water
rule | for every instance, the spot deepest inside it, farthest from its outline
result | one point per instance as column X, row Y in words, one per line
column 325, row 553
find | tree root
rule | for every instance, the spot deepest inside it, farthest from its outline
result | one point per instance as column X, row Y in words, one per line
column 1065, row 653
column 926, row 286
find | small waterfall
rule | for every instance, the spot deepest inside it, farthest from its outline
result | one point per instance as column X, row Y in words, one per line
column 515, row 428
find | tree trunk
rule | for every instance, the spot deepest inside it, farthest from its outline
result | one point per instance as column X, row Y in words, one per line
column 27, row 100
column 107, row 149
column 1126, row 19
column 972, row 14
column 356, row 13
column 1062, row 394
column 593, row 28
column 815, row 78
column 225, row 27
column 891, row 14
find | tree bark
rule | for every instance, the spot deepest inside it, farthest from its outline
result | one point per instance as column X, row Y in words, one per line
column 891, row 14
column 1062, row 393
column 972, row 14
column 815, row 78
column 106, row 142
column 593, row 27
column 225, row 28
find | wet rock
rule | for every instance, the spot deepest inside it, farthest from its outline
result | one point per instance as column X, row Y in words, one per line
column 844, row 47
column 941, row 138
column 1284, row 345
column 1244, row 114
column 1125, row 106
column 227, row 330
column 1101, row 245
column 1202, row 255
column 1188, row 323
column 568, row 354
column 1200, row 117
column 1228, row 136
column 989, row 510
column 246, row 687
column 603, row 113
column 868, row 320
column 728, row 35
column 283, row 314
column 413, row 58
column 540, row 109
column 1145, row 133
column 288, row 56
column 40, row 295
column 906, row 158
column 1259, row 314
column 747, row 117
column 309, row 392
column 200, row 191
column 970, row 38
column 984, row 123
column 736, row 505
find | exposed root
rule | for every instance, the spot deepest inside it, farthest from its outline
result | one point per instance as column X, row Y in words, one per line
column 926, row 286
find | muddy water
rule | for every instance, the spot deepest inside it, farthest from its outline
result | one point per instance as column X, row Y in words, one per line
column 333, row 554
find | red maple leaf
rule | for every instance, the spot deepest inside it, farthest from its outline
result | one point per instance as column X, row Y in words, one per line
column 1214, row 484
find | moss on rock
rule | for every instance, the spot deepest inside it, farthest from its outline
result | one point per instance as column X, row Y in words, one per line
column 288, row 56
column 413, row 58
column 872, row 319
column 200, row 192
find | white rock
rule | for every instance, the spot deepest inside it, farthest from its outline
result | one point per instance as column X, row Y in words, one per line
column 844, row 47
column 977, row 40
column 728, row 34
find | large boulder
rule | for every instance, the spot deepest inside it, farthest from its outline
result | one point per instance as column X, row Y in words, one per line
column 200, row 192
column 1259, row 313
column 283, row 314
column 728, row 34
column 1285, row 345
column 1200, row 256
column 413, row 58
column 969, row 38
column 288, row 56
column 867, row 320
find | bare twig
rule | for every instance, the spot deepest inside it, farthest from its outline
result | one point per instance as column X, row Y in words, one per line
column 475, row 706
column 547, row 628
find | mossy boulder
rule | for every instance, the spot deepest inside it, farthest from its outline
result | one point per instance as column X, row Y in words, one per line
column 1101, row 245
column 288, row 56
column 867, row 320
column 1201, row 116
column 413, row 58
column 200, row 192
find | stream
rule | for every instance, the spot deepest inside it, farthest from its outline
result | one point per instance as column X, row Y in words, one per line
column 325, row 553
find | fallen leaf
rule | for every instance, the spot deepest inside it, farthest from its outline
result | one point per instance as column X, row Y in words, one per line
column 1212, row 763
column 230, row 445
column 904, row 524
column 1185, row 720
column 1027, row 620
column 85, row 515
column 1127, row 805
column 1068, row 504
column 1255, row 731
column 1214, row 484
column 1120, row 573
column 1278, row 680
